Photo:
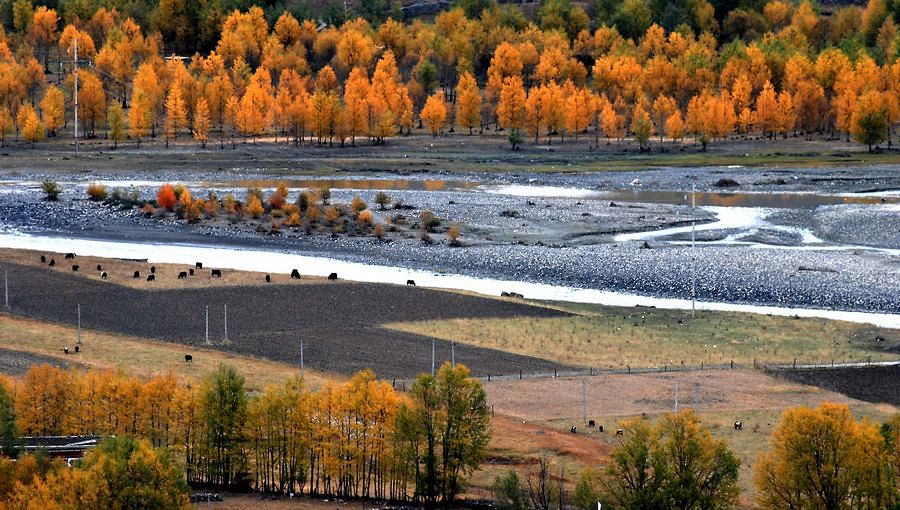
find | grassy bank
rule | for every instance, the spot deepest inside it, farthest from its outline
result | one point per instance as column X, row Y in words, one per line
column 614, row 337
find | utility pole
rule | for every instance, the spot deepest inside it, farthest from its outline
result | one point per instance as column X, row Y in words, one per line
column 301, row 358
column 76, row 95
column 6, row 287
column 78, row 341
column 453, row 354
column 693, row 255
column 226, row 321
column 207, row 324
column 432, row 357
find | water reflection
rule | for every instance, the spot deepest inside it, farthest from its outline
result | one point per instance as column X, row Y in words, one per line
column 360, row 184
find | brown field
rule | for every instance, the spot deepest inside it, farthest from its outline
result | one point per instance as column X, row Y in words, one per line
column 340, row 322
column 242, row 501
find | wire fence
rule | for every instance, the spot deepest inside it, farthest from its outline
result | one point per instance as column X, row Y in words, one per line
column 767, row 367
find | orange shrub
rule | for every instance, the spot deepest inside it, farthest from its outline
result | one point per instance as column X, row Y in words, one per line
column 165, row 198
column 365, row 217
column 358, row 204
column 96, row 192
column 254, row 207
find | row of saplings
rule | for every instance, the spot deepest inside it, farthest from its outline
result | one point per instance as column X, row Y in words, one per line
column 311, row 211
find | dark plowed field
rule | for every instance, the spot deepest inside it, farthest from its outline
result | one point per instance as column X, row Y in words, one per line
column 339, row 322
column 17, row 363
column 880, row 384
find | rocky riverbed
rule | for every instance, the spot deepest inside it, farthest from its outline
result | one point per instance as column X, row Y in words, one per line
column 804, row 243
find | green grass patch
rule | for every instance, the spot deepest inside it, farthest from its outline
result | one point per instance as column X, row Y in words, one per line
column 618, row 337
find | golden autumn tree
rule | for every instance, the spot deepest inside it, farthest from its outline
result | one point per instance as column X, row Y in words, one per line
column 53, row 109
column 869, row 123
column 641, row 126
column 176, row 114
column 91, row 101
column 675, row 126
column 6, row 125
column 43, row 401
column 468, row 102
column 115, row 120
column 824, row 458
column 766, row 112
column 144, row 102
column 201, row 123
column 511, row 106
column 165, row 197
column 33, row 128
column 356, row 102
column 434, row 113
column 44, row 31
column 580, row 109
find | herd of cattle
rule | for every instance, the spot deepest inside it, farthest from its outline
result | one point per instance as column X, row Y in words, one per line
column 182, row 275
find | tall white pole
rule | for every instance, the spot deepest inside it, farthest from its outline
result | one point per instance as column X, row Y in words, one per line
column 301, row 358
column 78, row 341
column 226, row 321
column 693, row 255
column 432, row 357
column 453, row 354
column 207, row 323
column 76, row 95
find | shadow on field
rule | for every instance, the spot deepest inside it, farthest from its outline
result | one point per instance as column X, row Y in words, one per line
column 876, row 384
column 338, row 322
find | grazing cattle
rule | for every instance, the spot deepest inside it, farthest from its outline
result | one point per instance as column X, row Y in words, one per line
column 77, row 348
column 191, row 272
column 620, row 432
column 216, row 273
column 410, row 283
column 738, row 425
column 65, row 350
column 504, row 294
column 268, row 278
column 103, row 275
column 52, row 262
column 99, row 267
column 199, row 265
column 182, row 275
column 137, row 274
column 151, row 277
column 591, row 423
column 188, row 358
column 43, row 259
column 75, row 267
column 152, row 269
column 295, row 274
column 600, row 428
column 573, row 429
column 332, row 276
column 70, row 256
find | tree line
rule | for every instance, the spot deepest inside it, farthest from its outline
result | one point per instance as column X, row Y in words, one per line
column 792, row 70
column 357, row 439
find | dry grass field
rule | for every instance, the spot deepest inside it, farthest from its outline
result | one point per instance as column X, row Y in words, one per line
column 549, row 407
column 618, row 337
column 121, row 272
column 139, row 356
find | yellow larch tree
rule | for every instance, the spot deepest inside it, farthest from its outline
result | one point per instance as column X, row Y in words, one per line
column 176, row 115
column 53, row 109
column 579, row 110
column 468, row 102
column 766, row 113
column 356, row 102
column 201, row 122
column 434, row 113
column 115, row 122
column 511, row 105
